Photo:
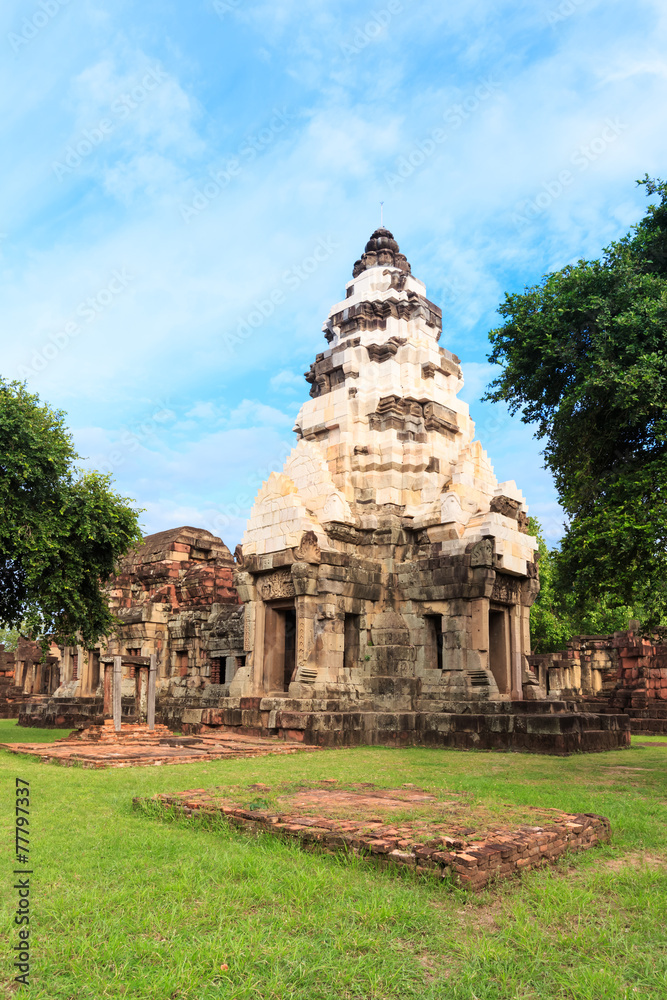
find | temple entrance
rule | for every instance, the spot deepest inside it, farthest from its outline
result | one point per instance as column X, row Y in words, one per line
column 94, row 672
column 290, row 647
column 351, row 641
column 279, row 646
column 499, row 649
column 52, row 678
column 434, row 642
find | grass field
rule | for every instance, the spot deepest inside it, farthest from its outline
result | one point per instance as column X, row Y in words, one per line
column 127, row 905
column 11, row 732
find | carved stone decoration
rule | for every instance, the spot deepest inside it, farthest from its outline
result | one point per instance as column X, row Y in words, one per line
column 451, row 510
column 304, row 639
column 506, row 589
column 447, row 368
column 506, row 505
column 309, row 549
column 324, row 377
column 440, row 418
column 335, row 509
column 397, row 280
column 249, row 628
column 238, row 556
column 383, row 352
column 367, row 316
column 382, row 248
column 482, row 554
column 276, row 586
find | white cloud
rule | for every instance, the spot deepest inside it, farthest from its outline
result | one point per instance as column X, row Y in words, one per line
column 287, row 381
column 160, row 343
column 250, row 412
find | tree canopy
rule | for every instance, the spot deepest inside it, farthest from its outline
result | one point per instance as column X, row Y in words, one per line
column 584, row 357
column 62, row 530
column 558, row 613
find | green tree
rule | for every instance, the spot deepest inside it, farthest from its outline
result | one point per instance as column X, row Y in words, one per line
column 62, row 531
column 584, row 357
column 550, row 626
column 558, row 613
column 9, row 637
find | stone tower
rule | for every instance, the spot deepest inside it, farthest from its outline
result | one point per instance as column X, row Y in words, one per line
column 385, row 576
column 385, row 569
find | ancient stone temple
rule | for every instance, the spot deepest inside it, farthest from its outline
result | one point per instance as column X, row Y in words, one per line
column 383, row 587
column 175, row 599
column 387, row 576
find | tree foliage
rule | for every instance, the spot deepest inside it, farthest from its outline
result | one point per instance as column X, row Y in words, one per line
column 558, row 613
column 584, row 357
column 9, row 637
column 62, row 531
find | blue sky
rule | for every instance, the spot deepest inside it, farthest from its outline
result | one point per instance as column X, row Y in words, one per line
column 167, row 168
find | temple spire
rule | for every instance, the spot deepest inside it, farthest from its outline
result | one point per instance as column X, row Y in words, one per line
column 382, row 250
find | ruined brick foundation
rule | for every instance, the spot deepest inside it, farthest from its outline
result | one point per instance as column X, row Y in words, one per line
column 470, row 865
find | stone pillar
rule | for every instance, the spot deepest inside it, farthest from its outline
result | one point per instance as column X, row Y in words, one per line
column 515, row 651
column 151, row 692
column 257, row 677
column 117, row 688
column 140, row 690
column 66, row 665
column 480, row 629
column 108, row 687
column 84, row 671
column 525, row 629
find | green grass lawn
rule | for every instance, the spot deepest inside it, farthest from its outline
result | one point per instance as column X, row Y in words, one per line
column 128, row 905
column 11, row 732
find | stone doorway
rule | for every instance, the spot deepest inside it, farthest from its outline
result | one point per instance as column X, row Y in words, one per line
column 499, row 649
column 279, row 646
column 53, row 678
column 434, row 642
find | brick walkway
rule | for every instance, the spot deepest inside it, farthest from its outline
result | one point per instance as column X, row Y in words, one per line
column 136, row 746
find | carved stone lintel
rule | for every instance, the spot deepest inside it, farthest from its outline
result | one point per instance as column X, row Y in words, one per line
column 506, row 589
column 276, row 586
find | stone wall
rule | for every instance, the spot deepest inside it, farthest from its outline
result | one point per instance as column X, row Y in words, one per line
column 169, row 594
column 625, row 672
